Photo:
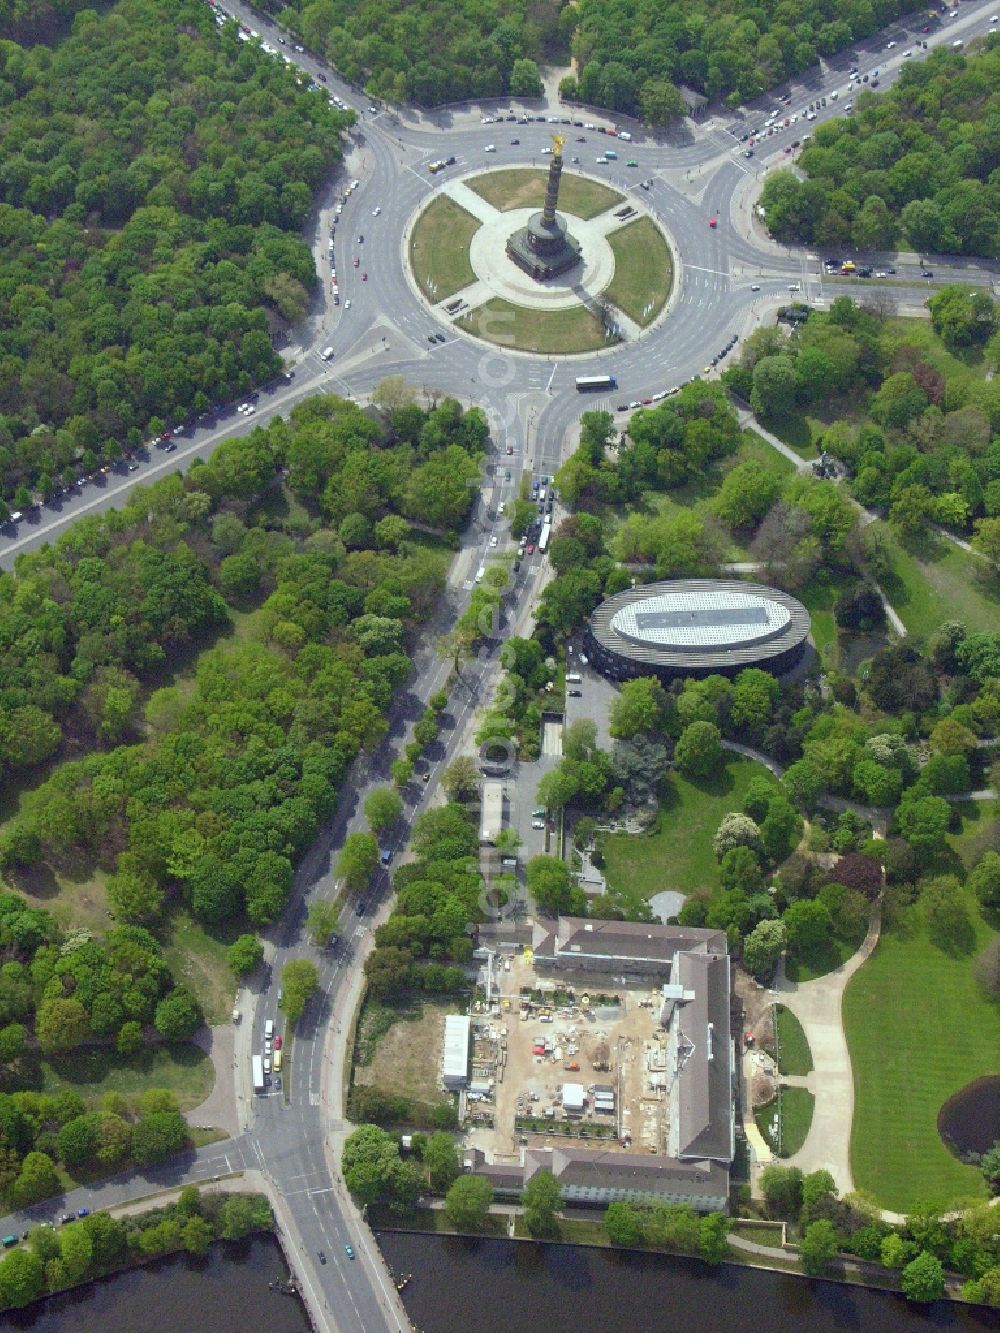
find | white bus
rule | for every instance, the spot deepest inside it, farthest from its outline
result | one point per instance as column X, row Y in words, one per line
column 258, row 1073
column 594, row 383
column 545, row 534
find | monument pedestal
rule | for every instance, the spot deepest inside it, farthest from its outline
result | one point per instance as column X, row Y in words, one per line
column 544, row 248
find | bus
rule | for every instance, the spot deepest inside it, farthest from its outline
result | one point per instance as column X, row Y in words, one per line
column 545, row 534
column 594, row 383
column 258, row 1074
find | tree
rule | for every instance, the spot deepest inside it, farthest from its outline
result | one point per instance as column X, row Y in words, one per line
column 623, row 1223
column 383, row 807
column 923, row 822
column 661, row 103
column 774, row 386
column 641, row 705
column 158, row 1135
column 76, row 1251
column 524, row 79
column 244, row 955
column 541, row 1200
column 61, row 1024
column 962, row 316
column 984, row 879
column 242, row 1213
column 551, row 885
column 923, row 1278
column 740, row 869
column 299, row 979
column 322, row 921
column 736, row 830
column 746, row 494
column 762, row 948
column 441, row 1161
column 781, row 829
column 22, row 1279
column 816, row 1187
column 178, row 1015
column 198, row 1235
column 358, row 860
column 948, row 922
column 78, row 1139
column 990, row 1165
column 818, row 1246
column 369, row 1158
column 699, row 749
column 467, row 1203
column 461, row 778
column 713, row 1238
column 782, row 1188
column 807, row 925
column 37, row 1180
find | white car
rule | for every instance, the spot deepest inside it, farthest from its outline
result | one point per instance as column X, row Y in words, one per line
column 347, row 304
column 493, row 543
column 755, row 286
column 490, row 148
column 376, row 211
column 890, row 46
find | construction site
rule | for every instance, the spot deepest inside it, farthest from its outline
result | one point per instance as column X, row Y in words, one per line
column 551, row 1059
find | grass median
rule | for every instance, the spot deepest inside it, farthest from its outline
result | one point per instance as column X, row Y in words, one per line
column 644, row 271
column 439, row 249
column 524, row 187
column 544, row 331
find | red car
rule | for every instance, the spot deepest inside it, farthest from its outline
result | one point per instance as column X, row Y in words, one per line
column 530, row 548
column 713, row 222
column 277, row 1042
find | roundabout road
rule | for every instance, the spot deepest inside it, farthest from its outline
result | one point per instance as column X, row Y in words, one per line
column 533, row 406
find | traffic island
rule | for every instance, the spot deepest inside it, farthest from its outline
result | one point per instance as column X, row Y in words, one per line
column 545, row 281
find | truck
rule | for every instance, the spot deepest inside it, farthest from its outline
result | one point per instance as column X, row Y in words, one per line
column 258, row 1073
column 848, row 266
column 545, row 534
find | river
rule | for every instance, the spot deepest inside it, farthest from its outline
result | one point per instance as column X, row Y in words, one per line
column 226, row 1292
column 494, row 1286
column 497, row 1286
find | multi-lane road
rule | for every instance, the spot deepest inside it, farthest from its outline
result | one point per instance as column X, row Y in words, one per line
column 532, row 405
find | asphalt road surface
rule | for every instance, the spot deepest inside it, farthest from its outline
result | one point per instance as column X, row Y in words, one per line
column 696, row 172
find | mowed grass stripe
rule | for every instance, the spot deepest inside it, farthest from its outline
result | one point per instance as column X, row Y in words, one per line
column 918, row 1029
column 524, row 187
column 644, row 271
column 439, row 249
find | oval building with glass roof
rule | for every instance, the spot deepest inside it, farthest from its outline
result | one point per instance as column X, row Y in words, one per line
column 697, row 627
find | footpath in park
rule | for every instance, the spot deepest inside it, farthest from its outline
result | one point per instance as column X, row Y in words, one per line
column 818, row 1006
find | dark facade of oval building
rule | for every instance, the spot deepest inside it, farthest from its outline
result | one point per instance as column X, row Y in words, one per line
column 697, row 627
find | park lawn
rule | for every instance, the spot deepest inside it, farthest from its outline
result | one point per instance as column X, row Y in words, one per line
column 796, row 1116
column 980, row 831
column 573, row 329
column 919, row 1029
column 679, row 856
column 439, row 249
column 524, row 187
column 181, row 1067
column 406, row 1059
column 970, row 365
column 198, row 959
column 794, row 1055
column 833, row 953
column 818, row 597
column 936, row 584
column 644, row 271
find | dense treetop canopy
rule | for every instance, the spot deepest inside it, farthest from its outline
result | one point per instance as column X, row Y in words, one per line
column 155, row 176
column 915, row 165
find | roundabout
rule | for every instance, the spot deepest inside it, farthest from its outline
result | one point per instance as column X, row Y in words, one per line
column 554, row 280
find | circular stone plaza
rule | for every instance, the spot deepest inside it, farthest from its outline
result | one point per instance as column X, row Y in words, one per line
column 697, row 627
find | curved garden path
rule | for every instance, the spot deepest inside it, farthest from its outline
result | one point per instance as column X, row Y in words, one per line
column 817, row 1005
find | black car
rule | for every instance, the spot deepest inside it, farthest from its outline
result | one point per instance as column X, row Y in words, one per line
column 515, row 141
column 864, row 271
column 170, row 448
column 450, row 161
column 574, row 694
column 890, row 270
column 321, row 1256
column 926, row 273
